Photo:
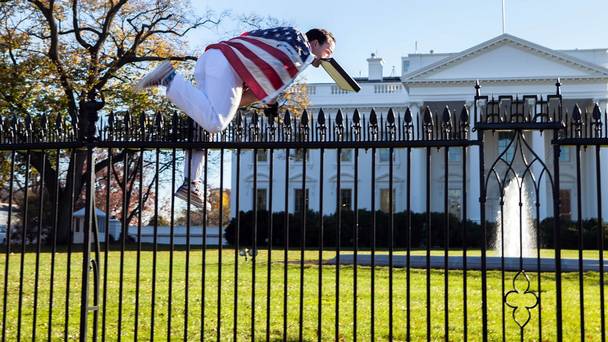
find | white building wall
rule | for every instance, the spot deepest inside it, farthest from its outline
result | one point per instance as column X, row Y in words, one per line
column 390, row 93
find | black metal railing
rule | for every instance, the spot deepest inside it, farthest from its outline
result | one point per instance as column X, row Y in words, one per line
column 354, row 225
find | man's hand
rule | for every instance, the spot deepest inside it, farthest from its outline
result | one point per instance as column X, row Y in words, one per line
column 316, row 62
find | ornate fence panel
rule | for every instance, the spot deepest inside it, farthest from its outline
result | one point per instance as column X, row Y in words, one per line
column 482, row 222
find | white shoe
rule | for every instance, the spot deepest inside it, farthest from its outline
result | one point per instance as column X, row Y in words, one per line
column 156, row 77
column 197, row 197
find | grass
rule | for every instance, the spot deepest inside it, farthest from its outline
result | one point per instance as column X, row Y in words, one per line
column 194, row 285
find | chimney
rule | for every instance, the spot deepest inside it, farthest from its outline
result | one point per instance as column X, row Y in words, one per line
column 375, row 68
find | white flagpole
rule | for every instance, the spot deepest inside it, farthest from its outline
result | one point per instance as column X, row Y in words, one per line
column 503, row 17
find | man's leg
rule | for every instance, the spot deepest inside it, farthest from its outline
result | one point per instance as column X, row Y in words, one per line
column 212, row 104
column 215, row 101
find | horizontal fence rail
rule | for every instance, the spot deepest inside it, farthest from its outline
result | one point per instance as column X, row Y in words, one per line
column 483, row 222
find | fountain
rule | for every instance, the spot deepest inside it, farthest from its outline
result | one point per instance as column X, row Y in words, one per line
column 516, row 221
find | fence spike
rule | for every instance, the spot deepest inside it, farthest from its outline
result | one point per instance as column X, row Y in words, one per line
column 597, row 113
column 464, row 115
column 304, row 119
column 390, row 117
column 373, row 118
column 428, row 116
column 44, row 125
column 321, row 118
column 287, row 118
column 576, row 113
column 339, row 118
column 158, row 120
column 447, row 115
column 356, row 118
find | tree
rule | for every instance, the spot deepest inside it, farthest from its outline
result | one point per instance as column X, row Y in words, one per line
column 56, row 55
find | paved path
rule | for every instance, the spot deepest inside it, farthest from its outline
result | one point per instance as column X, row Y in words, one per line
column 474, row 263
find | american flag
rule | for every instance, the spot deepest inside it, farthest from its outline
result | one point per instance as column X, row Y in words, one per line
column 267, row 60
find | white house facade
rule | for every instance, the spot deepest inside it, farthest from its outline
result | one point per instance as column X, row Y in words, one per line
column 505, row 65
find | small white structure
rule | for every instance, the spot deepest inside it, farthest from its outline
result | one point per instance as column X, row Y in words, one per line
column 4, row 211
column 163, row 235
column 78, row 218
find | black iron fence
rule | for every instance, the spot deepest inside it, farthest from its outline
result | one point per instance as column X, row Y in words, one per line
column 482, row 223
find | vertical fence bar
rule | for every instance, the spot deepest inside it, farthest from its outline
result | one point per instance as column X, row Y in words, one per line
column 38, row 243
column 538, row 256
column 428, row 244
column 579, row 227
column 464, row 244
column 270, row 228
column 72, row 193
column 254, row 246
column 204, row 245
column 188, row 223
column 373, row 258
column 408, row 222
column 8, row 244
column 338, row 236
column 285, row 244
column 53, row 246
column 106, row 248
column 235, row 307
column 484, row 237
column 138, row 257
column 302, row 246
column 155, row 245
column 171, row 242
column 123, row 240
column 598, row 173
column 391, row 244
column 89, row 227
column 24, row 225
column 557, row 240
column 321, row 241
column 220, row 243
column 446, row 233
column 356, row 235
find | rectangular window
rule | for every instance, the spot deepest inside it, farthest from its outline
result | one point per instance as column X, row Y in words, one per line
column 504, row 138
column 454, row 154
column 337, row 91
column 564, row 153
column 298, row 199
column 385, row 200
column 312, row 90
column 298, row 154
column 261, row 199
column 565, row 208
column 346, row 198
column 384, row 155
column 455, row 202
column 262, row 155
column 346, row 155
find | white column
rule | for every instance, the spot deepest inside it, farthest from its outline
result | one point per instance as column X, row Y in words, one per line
column 539, row 147
column 418, row 167
column 473, row 207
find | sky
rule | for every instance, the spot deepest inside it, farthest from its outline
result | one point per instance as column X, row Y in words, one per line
column 393, row 29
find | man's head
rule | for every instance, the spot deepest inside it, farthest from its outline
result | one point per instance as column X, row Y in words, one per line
column 322, row 42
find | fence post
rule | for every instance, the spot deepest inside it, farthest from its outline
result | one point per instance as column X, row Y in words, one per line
column 89, row 110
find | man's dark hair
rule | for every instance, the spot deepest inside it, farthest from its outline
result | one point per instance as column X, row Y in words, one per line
column 320, row 35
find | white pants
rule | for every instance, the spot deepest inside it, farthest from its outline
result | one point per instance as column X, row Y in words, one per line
column 212, row 103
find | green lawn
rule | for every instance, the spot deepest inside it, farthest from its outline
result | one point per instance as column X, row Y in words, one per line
column 570, row 290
